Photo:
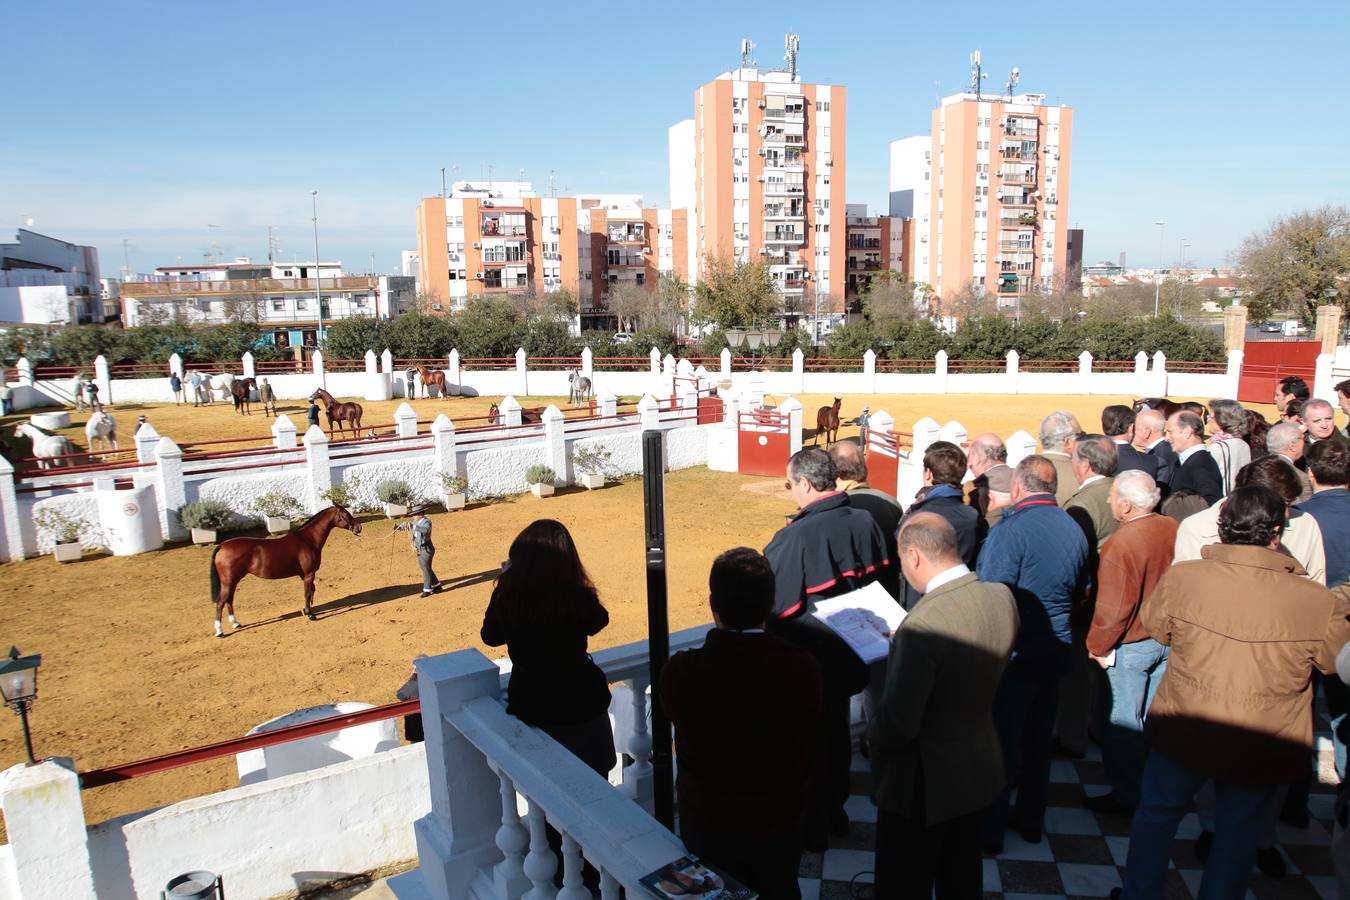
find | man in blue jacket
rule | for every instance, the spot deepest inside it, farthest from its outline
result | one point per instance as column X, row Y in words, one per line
column 1040, row 553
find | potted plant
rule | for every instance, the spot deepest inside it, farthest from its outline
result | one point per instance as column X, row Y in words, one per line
column 591, row 463
column 277, row 510
column 453, row 490
column 204, row 518
column 540, row 479
column 65, row 531
column 396, row 495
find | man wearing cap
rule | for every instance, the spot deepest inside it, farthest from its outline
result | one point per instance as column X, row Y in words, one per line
column 420, row 532
column 863, row 418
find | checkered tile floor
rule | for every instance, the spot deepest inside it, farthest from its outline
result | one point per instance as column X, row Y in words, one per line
column 1082, row 854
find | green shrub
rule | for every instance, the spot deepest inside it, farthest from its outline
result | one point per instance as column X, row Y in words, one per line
column 205, row 515
column 591, row 460
column 64, row 527
column 663, row 339
column 277, row 506
column 395, row 490
column 453, row 484
column 540, row 474
column 340, row 494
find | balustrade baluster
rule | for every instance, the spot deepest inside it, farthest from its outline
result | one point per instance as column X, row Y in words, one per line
column 512, row 839
column 540, row 863
column 609, row 887
column 637, row 778
column 572, row 863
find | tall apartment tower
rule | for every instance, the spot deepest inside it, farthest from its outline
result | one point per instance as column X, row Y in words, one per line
column 989, row 192
column 760, row 168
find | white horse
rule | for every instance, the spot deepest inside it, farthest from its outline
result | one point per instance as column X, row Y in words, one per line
column 46, row 447
column 101, row 428
column 578, row 387
column 223, row 383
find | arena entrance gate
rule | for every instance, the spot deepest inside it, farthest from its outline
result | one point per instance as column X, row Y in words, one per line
column 1264, row 363
column 763, row 443
column 710, row 408
column 883, row 460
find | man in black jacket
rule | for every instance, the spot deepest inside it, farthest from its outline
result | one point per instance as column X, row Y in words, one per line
column 828, row 548
column 1196, row 472
column 1118, row 425
column 944, row 464
column 881, row 506
column 1150, row 437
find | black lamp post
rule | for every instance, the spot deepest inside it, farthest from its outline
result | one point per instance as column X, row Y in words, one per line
column 18, row 684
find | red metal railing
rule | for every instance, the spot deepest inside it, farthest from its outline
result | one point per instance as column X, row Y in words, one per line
column 1047, row 365
column 1198, row 368
column 140, row 370
column 1113, row 365
column 125, row 771
column 555, row 362
column 288, row 366
column 927, row 366
column 344, row 365
column 829, row 363
column 489, row 362
column 621, row 363
column 977, row 365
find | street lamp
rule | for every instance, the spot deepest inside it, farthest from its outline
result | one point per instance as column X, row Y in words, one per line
column 1157, row 284
column 18, row 684
column 318, row 297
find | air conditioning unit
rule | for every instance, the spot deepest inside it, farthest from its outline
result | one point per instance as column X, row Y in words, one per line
column 436, row 306
column 478, row 275
column 646, row 249
column 830, row 163
column 761, row 179
column 487, row 203
column 736, row 160
column 478, row 245
column 761, row 103
column 762, row 151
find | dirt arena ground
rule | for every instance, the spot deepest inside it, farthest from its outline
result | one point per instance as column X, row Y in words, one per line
column 131, row 669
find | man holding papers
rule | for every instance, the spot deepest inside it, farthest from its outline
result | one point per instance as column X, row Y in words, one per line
column 936, row 758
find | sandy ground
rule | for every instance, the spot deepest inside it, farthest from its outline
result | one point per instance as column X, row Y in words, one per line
column 131, row 670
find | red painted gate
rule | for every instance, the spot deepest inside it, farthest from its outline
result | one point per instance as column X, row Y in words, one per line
column 763, row 443
column 883, row 461
column 1264, row 363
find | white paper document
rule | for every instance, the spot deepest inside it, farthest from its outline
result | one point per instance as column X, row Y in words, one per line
column 865, row 619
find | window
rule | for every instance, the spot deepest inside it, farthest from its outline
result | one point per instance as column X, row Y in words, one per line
column 301, row 305
column 639, row 278
column 453, row 275
column 278, row 304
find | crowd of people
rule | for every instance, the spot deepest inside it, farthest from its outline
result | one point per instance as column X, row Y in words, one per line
column 1174, row 587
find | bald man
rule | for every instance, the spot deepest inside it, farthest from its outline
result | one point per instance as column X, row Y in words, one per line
column 991, row 490
column 1150, row 436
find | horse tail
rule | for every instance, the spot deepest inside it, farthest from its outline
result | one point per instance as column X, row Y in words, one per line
column 215, row 577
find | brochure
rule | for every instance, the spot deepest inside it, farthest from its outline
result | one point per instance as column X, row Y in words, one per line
column 689, row 877
column 865, row 619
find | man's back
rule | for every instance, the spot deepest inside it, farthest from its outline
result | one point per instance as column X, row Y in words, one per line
column 1091, row 509
column 1130, row 459
column 945, row 665
column 1200, row 475
column 886, row 511
column 1066, row 484
column 1167, row 461
column 1331, row 509
column 970, row 528
column 828, row 548
column 1039, row 552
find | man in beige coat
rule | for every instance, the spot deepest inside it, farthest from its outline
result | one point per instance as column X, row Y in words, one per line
column 1058, row 432
column 936, row 757
column 1246, row 629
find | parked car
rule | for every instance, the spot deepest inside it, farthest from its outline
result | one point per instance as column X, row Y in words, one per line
column 623, row 337
column 1270, row 327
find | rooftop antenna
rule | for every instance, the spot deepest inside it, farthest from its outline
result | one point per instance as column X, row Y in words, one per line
column 747, row 53
column 792, row 43
column 1013, row 78
column 976, row 75
column 273, row 245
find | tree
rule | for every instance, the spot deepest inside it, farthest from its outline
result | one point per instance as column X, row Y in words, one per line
column 418, row 335
column 735, row 294
column 851, row 341
column 489, row 327
column 888, row 298
column 242, row 307
column 635, row 307
column 1298, row 263
column 968, row 303
column 663, row 339
column 351, row 338
column 673, row 294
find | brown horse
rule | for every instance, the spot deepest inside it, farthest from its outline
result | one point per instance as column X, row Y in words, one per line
column 296, row 555
column 1170, row 407
column 340, row 414
column 529, row 415
column 241, row 389
column 827, row 421
column 430, row 378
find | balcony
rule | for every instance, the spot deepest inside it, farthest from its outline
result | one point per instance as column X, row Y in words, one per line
column 776, row 188
column 1018, row 199
column 1021, row 127
column 856, row 243
column 783, row 236
column 627, row 234
column 785, row 211
column 864, row 265
column 794, row 286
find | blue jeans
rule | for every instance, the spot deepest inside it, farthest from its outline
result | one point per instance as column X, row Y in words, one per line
column 1024, row 714
column 1168, row 792
column 1127, row 691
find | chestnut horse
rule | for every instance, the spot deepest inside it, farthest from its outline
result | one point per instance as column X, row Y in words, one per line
column 241, row 389
column 430, row 378
column 340, row 414
column 827, row 421
column 1169, row 407
column 529, row 415
column 296, row 555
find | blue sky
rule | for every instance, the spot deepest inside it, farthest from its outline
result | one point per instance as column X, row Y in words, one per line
column 148, row 121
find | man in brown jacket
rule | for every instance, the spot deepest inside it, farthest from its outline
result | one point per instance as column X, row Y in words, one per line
column 1234, row 708
column 1131, row 564
column 936, row 757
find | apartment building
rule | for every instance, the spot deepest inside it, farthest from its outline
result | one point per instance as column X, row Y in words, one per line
column 989, row 192
column 288, row 300
column 874, row 244
column 503, row 238
column 48, row 281
column 760, row 168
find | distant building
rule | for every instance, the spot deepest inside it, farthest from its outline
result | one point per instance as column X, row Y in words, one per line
column 1074, row 277
column 874, row 244
column 280, row 297
column 47, row 281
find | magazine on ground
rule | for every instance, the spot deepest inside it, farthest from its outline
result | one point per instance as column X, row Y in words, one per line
column 865, row 619
column 690, row 877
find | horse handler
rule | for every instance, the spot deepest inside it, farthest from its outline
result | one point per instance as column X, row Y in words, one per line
column 267, row 397
column 420, row 532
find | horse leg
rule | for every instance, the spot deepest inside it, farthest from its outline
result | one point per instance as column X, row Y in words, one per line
column 234, row 623
column 309, row 595
column 223, row 599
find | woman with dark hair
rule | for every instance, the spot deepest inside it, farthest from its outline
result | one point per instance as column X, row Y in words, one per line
column 543, row 609
column 1256, row 433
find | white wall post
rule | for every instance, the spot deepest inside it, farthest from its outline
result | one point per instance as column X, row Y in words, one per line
column 454, row 375
column 555, row 444
column 649, row 412
column 870, row 370
column 1234, row 375
column 940, row 370
column 880, row 422
column 146, row 438
column 1160, row 373
column 248, row 365
column 1085, row 372
column 457, row 839
column 103, row 378
column 169, row 488
column 668, row 366
column 954, row 432
column 283, row 433
column 731, row 408
column 443, row 439
column 372, row 366
column 925, row 432
column 386, row 360
column 724, row 363
column 799, row 370
column 522, row 373
column 405, row 421
column 318, row 475
column 609, row 404
column 316, row 363
column 25, row 369
column 1014, row 365
column 1142, row 384
column 792, row 408
column 47, row 836
column 656, row 361
column 588, row 364
column 11, row 534
column 1020, row 446
column 176, row 365
column 510, row 410
column 1323, row 386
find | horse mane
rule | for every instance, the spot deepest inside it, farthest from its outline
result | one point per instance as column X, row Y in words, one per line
column 325, row 510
